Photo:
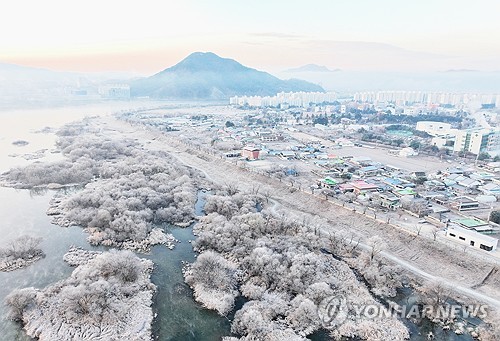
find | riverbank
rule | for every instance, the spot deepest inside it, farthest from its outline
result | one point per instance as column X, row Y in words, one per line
column 11, row 264
column 461, row 271
column 414, row 254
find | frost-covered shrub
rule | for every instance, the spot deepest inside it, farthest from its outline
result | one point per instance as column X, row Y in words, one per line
column 127, row 189
column 283, row 272
column 18, row 300
column 24, row 247
column 213, row 280
column 106, row 297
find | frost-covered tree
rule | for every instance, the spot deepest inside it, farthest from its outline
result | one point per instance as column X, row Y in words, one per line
column 18, row 300
column 24, row 247
column 281, row 268
column 106, row 296
column 213, row 280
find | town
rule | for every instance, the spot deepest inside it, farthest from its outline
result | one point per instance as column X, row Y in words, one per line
column 425, row 163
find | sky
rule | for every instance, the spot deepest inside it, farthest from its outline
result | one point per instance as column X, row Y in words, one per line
column 149, row 35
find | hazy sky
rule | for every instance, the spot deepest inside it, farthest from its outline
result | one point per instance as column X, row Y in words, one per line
column 147, row 36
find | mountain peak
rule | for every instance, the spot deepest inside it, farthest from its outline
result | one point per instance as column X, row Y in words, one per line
column 205, row 61
column 205, row 75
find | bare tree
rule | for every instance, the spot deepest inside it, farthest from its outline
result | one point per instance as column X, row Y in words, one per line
column 434, row 293
column 231, row 188
column 418, row 229
column 267, row 194
column 376, row 244
column 18, row 300
column 24, row 247
column 435, row 233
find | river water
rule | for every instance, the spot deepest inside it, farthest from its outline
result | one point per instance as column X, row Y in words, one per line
column 179, row 317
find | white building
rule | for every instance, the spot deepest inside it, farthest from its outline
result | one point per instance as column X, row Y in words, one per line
column 428, row 98
column 434, row 128
column 477, row 141
column 472, row 238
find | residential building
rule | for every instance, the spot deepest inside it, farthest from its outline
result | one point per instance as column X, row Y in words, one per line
column 285, row 99
column 250, row 153
column 232, row 154
column 389, row 201
column 491, row 188
column 434, row 128
column 328, row 182
column 268, row 136
column 473, row 224
column 361, row 187
column 477, row 141
column 464, row 203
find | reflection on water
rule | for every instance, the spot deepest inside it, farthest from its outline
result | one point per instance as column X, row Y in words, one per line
column 180, row 318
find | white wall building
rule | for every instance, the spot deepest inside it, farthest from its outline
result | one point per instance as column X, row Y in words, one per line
column 298, row 99
column 477, row 141
column 425, row 97
column 434, row 128
column 472, row 238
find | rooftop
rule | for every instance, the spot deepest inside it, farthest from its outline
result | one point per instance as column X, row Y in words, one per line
column 471, row 222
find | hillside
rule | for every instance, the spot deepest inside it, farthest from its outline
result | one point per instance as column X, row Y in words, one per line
column 208, row 76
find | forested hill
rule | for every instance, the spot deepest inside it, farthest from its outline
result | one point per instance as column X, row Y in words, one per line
column 208, row 76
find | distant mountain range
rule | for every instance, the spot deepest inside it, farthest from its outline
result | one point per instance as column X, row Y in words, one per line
column 347, row 82
column 204, row 75
column 310, row 68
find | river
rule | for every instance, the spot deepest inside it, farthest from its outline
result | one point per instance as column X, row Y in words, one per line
column 180, row 318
